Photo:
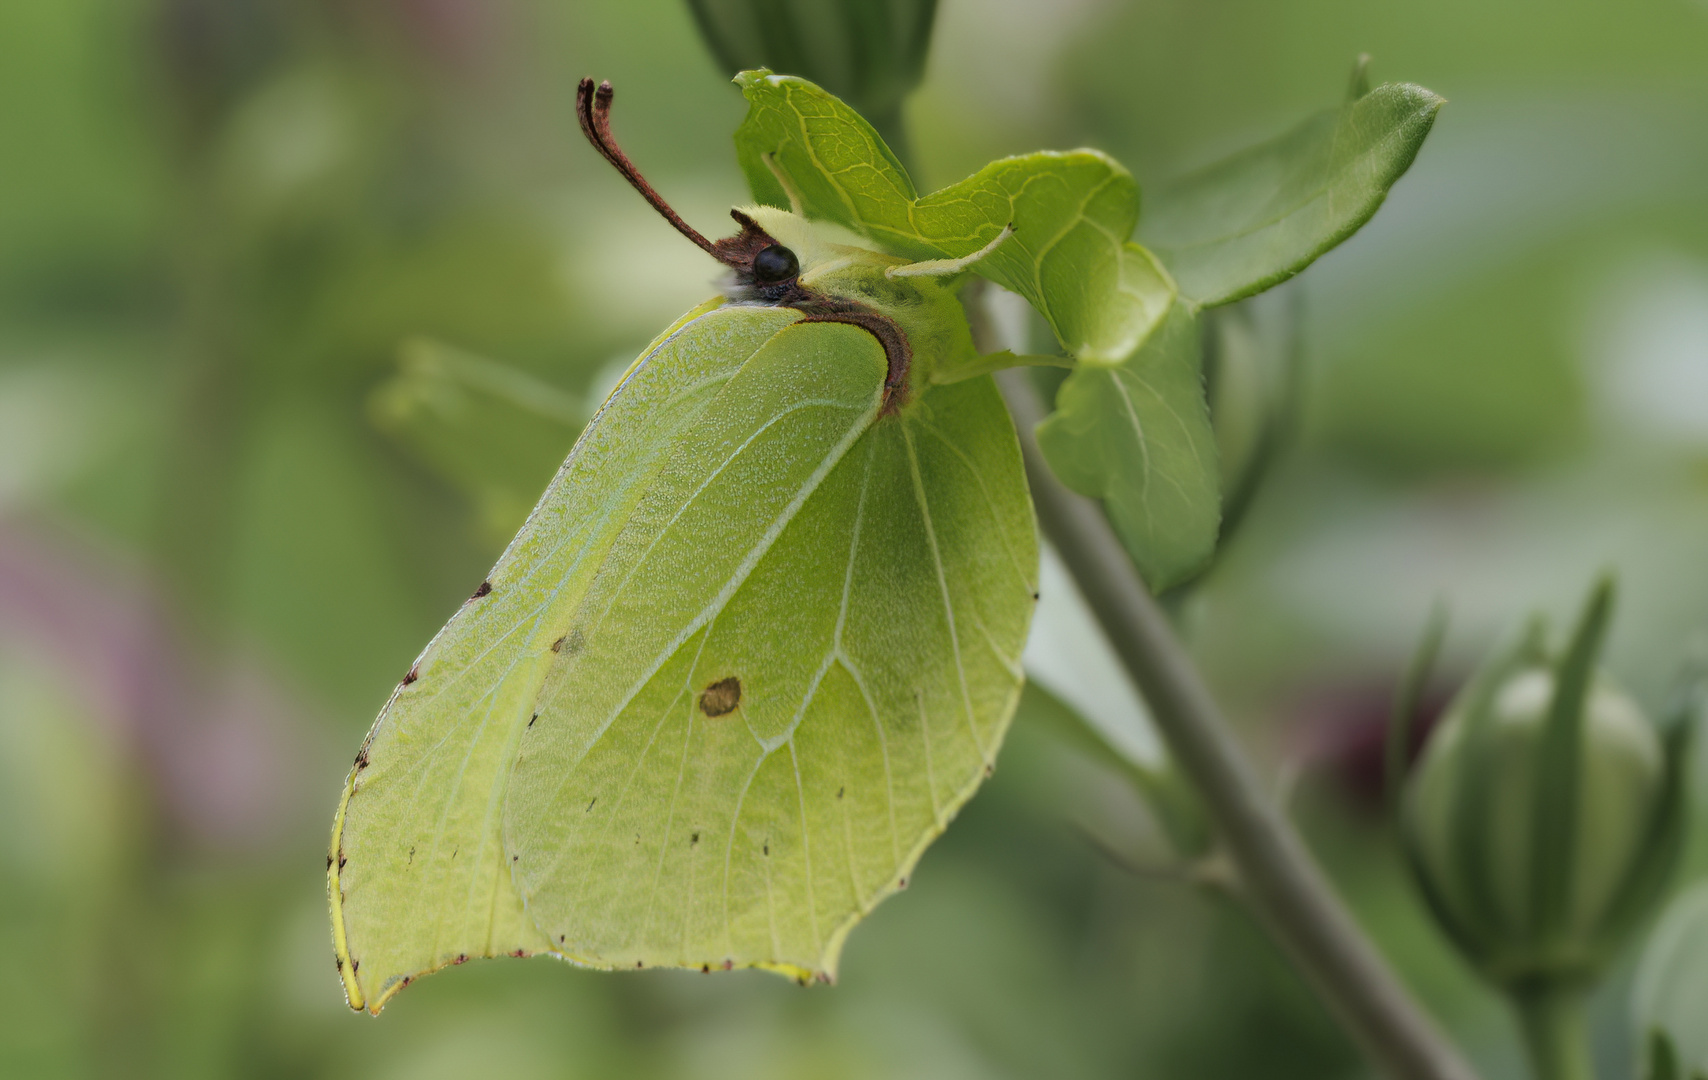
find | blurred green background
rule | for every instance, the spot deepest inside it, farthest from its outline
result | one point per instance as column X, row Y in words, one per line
column 301, row 301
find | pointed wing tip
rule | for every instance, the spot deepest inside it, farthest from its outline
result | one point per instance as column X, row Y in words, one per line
column 353, row 995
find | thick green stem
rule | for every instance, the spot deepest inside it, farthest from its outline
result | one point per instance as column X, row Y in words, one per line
column 1277, row 874
column 1555, row 1034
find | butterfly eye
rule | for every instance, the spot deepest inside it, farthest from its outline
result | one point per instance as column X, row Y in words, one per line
column 775, row 263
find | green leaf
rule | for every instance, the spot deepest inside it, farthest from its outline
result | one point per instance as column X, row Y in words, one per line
column 1261, row 216
column 838, row 168
column 1072, row 214
column 1138, row 437
column 1069, row 256
column 751, row 652
column 1663, row 1059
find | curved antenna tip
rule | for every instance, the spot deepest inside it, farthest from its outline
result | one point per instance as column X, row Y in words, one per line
column 593, row 111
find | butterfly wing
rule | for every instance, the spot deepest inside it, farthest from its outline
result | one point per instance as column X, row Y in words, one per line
column 793, row 667
column 754, row 647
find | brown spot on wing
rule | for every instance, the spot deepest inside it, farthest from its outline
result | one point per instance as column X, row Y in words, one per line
column 721, row 697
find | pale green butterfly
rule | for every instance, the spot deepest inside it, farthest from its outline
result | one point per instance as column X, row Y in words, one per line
column 755, row 646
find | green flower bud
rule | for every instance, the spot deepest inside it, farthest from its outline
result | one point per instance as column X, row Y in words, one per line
column 1544, row 815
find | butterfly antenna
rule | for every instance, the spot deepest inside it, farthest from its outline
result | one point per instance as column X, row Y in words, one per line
column 593, row 109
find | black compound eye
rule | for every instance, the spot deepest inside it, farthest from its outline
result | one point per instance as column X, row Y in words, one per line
column 775, row 263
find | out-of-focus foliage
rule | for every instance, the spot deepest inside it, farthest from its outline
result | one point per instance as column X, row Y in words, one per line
column 492, row 430
column 221, row 220
column 1672, row 987
column 1662, row 1061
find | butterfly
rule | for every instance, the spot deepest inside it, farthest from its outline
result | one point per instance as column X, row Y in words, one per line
column 756, row 644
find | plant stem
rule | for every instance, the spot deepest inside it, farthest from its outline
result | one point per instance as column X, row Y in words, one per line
column 1555, row 1034
column 1278, row 875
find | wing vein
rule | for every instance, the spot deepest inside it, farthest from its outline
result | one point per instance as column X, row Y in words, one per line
column 943, row 589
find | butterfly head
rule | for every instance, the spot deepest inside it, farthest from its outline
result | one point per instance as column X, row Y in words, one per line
column 773, row 250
